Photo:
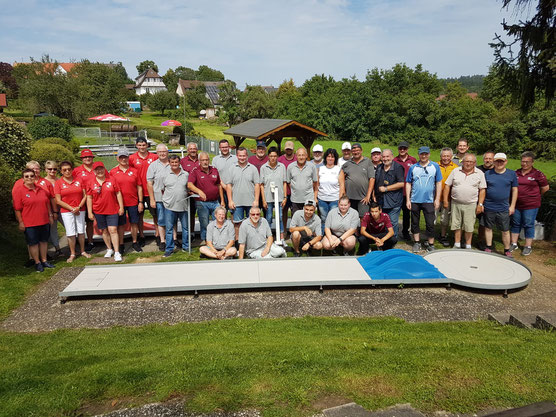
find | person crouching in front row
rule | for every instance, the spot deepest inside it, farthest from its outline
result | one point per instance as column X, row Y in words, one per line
column 376, row 229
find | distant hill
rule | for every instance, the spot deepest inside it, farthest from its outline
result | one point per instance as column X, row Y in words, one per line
column 472, row 83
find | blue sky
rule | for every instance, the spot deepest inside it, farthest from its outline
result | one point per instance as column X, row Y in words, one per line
column 258, row 42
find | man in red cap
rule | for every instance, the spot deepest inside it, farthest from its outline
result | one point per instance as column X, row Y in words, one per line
column 85, row 173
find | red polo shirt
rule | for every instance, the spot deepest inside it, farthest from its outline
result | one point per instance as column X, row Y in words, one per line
column 41, row 182
column 141, row 165
column 405, row 164
column 128, row 181
column 83, row 174
column 33, row 205
column 253, row 160
column 188, row 164
column 206, row 182
column 529, row 189
column 104, row 196
column 70, row 193
column 376, row 226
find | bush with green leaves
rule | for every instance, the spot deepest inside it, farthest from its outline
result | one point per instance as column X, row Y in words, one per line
column 48, row 127
column 15, row 142
column 8, row 176
column 72, row 145
column 42, row 152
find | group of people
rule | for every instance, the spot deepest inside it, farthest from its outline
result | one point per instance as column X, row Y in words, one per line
column 335, row 201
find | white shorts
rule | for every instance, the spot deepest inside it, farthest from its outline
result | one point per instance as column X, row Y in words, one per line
column 74, row 223
column 275, row 252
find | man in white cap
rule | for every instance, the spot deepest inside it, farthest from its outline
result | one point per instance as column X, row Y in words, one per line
column 376, row 157
column 318, row 151
column 500, row 201
column 346, row 154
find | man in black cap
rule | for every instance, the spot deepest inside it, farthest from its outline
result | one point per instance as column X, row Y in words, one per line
column 405, row 160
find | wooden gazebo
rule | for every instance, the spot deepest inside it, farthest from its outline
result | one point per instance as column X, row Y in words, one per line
column 274, row 130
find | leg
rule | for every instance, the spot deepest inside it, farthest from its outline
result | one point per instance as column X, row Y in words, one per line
column 468, row 239
column 170, row 217
column 517, row 222
column 90, row 231
column 277, row 251
column 205, row 250
column 203, row 213
column 457, row 238
column 161, row 215
column 296, row 237
column 430, row 217
column 231, row 252
column 106, row 238
column 488, row 237
column 54, row 236
column 34, row 252
column 71, row 244
column 114, row 238
column 390, row 243
column 185, row 230
column 285, row 213
column 394, row 214
column 506, row 240
column 406, row 219
column 363, row 245
column 349, row 243
column 43, row 248
column 415, row 215
column 134, row 230
column 326, row 243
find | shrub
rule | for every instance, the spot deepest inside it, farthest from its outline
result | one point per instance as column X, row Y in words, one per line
column 42, row 152
column 72, row 145
column 50, row 126
column 7, row 178
column 15, row 143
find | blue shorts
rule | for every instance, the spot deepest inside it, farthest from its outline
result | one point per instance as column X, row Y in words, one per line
column 161, row 213
column 36, row 234
column 133, row 214
column 240, row 213
column 105, row 220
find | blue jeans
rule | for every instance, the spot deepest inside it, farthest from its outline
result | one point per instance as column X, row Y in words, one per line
column 324, row 208
column 171, row 218
column 394, row 214
column 205, row 211
column 524, row 219
column 270, row 213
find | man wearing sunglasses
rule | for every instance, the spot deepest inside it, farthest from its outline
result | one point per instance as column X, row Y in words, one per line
column 255, row 238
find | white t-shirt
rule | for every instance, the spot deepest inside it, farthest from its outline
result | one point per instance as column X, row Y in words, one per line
column 329, row 187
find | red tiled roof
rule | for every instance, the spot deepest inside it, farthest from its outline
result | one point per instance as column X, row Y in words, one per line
column 3, row 100
column 67, row 66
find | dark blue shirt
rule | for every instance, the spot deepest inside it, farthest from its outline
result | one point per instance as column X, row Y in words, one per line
column 499, row 190
column 383, row 178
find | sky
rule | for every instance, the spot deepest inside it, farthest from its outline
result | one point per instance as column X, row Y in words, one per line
column 258, row 42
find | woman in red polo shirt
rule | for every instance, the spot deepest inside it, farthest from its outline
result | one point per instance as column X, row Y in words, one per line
column 34, row 213
column 105, row 204
column 71, row 198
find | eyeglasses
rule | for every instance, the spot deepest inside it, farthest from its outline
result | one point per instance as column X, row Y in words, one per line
column 52, row 169
column 28, row 176
column 255, row 214
column 65, row 169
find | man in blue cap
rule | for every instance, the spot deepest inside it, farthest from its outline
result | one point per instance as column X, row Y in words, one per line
column 423, row 189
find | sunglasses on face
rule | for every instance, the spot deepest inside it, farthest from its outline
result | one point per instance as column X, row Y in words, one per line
column 28, row 176
column 52, row 169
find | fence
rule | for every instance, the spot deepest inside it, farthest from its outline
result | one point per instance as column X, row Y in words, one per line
column 206, row 145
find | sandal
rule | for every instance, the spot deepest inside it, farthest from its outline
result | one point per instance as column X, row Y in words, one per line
column 85, row 255
column 70, row 259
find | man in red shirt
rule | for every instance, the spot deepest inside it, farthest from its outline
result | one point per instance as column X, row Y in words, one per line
column 141, row 160
column 260, row 158
column 205, row 181
column 189, row 162
column 405, row 160
column 129, row 181
column 287, row 158
column 84, row 173
column 376, row 228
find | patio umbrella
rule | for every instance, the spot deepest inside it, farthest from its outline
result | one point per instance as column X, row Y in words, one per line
column 110, row 118
column 170, row 123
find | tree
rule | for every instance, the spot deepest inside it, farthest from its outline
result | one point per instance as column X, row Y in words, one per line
column 170, row 80
column 162, row 100
column 122, row 73
column 530, row 72
column 185, row 73
column 289, row 103
column 205, row 73
column 196, row 98
column 229, row 99
column 15, row 143
column 49, row 127
column 145, row 65
column 8, row 80
column 255, row 102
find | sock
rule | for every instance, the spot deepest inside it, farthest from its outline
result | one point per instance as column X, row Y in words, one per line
column 467, row 246
column 457, row 245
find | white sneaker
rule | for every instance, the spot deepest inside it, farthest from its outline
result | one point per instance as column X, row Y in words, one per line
column 118, row 257
column 109, row 253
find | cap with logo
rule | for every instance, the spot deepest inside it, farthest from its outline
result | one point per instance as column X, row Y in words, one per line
column 310, row 203
column 86, row 152
column 261, row 144
column 346, row 145
column 98, row 164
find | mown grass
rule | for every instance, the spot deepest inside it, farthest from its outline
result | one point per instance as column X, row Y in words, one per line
column 282, row 366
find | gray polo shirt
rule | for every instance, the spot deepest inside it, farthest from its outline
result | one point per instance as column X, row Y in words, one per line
column 357, row 177
column 314, row 223
column 220, row 236
column 223, row 165
column 174, row 187
column 156, row 173
column 243, row 182
column 339, row 224
column 277, row 175
column 301, row 181
column 254, row 237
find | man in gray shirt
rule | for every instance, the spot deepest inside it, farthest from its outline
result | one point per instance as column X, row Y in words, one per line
column 155, row 174
column 273, row 172
column 340, row 227
column 225, row 161
column 302, row 177
column 174, row 197
column 220, row 237
column 243, row 187
column 255, row 238
column 357, row 180
column 306, row 229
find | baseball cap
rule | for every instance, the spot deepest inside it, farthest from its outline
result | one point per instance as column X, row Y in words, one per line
column 318, row 148
column 123, row 152
column 500, row 155
column 376, row 150
column 356, row 145
column 141, row 139
column 346, row 145
column 403, row 144
column 289, row 145
column 86, row 152
column 310, row 203
column 424, row 149
column 98, row 164
column 261, row 143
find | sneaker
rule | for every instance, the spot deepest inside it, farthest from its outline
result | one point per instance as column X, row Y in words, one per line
column 30, row 263
column 109, row 253
column 527, row 251
column 481, row 246
column 47, row 265
column 430, row 248
column 488, row 250
column 416, row 247
column 162, row 246
column 513, row 247
column 444, row 240
column 508, row 254
column 39, row 267
column 137, row 247
column 406, row 237
column 89, row 247
column 118, row 257
column 157, row 240
column 141, row 241
column 297, row 254
column 177, row 243
column 167, row 254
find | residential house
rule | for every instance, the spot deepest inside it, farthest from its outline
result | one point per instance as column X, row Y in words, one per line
column 3, row 102
column 212, row 88
column 149, row 82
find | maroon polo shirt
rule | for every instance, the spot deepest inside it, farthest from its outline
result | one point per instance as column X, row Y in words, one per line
column 206, row 182
column 253, row 160
column 405, row 164
column 529, row 189
column 373, row 226
column 188, row 164
column 287, row 162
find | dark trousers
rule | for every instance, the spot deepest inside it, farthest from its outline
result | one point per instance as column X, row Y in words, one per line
column 364, row 242
column 430, row 217
column 406, row 218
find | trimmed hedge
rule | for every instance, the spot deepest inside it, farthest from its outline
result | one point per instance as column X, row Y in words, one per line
column 42, row 152
column 72, row 145
column 48, row 127
column 8, row 176
column 15, row 143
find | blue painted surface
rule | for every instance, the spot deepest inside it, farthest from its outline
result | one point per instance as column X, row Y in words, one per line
column 396, row 264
